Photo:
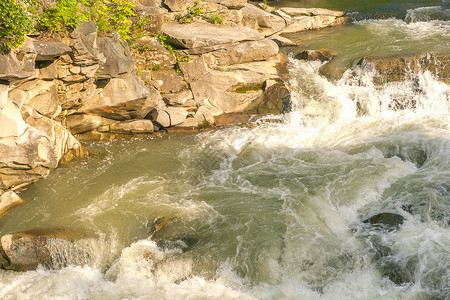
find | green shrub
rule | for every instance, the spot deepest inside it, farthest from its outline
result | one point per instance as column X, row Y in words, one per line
column 14, row 24
column 215, row 19
column 65, row 16
column 111, row 15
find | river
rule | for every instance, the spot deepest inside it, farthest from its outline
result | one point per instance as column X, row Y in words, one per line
column 275, row 211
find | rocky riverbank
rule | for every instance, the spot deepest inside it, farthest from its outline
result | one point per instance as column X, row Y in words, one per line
column 193, row 72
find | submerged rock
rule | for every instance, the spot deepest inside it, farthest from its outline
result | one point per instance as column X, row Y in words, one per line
column 390, row 219
column 25, row 250
column 400, row 67
column 321, row 54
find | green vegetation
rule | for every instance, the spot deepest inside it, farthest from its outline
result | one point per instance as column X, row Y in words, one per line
column 204, row 125
column 196, row 11
column 65, row 16
column 17, row 18
column 14, row 24
column 215, row 19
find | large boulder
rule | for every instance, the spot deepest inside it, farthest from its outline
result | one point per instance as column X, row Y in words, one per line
column 53, row 248
column 168, row 81
column 26, row 158
column 132, row 127
column 11, row 68
column 197, row 34
column 81, row 123
column 44, row 50
column 11, row 123
column 84, row 45
column 120, row 99
column 245, row 52
column 300, row 19
column 261, row 20
column 169, row 116
column 117, row 57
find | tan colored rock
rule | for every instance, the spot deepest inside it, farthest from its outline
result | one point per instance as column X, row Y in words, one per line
column 233, row 4
column 43, row 97
column 81, row 123
column 133, row 126
column 121, row 99
column 261, row 20
column 199, row 34
column 282, row 41
column 245, row 52
column 8, row 200
column 179, row 5
column 11, row 123
column 299, row 12
column 26, row 158
column 47, row 69
column 169, row 116
column 203, row 115
column 314, row 22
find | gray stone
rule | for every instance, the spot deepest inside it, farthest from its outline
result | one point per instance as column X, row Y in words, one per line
column 25, row 250
column 118, row 58
column 386, row 219
column 81, row 123
column 10, row 67
column 180, row 98
column 198, row 34
column 8, row 200
column 169, row 116
column 44, row 50
column 168, row 81
column 47, row 69
column 85, row 49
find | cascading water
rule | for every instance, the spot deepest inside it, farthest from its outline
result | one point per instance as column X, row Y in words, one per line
column 272, row 212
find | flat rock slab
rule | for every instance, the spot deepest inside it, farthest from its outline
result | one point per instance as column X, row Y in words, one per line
column 198, row 34
column 297, row 12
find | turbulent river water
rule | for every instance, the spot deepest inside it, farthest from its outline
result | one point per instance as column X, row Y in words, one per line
column 275, row 211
